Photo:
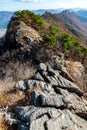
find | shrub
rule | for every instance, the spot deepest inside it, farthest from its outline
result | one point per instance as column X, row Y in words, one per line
column 49, row 38
column 36, row 20
column 68, row 41
column 39, row 21
column 17, row 13
column 53, row 30
column 83, row 49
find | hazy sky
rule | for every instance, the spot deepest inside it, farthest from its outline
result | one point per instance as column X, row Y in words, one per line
column 41, row 4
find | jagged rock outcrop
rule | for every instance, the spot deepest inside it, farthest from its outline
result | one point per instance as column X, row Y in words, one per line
column 21, row 36
column 55, row 102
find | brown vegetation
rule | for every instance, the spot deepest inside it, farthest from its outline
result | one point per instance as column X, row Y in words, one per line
column 11, row 98
column 3, row 126
column 2, row 123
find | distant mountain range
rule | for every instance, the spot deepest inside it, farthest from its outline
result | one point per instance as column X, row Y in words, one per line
column 76, row 18
column 5, row 17
column 42, row 11
column 82, row 13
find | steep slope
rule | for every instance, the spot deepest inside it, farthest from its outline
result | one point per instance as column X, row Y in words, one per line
column 52, row 19
column 74, row 20
column 65, row 24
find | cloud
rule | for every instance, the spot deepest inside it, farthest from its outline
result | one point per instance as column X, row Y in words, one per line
column 29, row 0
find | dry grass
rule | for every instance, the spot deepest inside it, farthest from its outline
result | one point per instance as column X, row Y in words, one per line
column 3, row 98
column 14, row 72
column 2, row 124
column 78, row 75
column 6, row 84
column 10, row 99
column 19, row 71
column 71, row 68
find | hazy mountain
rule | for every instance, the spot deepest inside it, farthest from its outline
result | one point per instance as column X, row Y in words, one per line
column 42, row 11
column 5, row 17
column 82, row 13
column 74, row 20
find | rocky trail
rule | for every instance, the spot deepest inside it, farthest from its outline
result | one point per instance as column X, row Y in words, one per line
column 55, row 102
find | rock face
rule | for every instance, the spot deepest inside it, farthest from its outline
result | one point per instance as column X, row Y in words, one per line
column 22, row 36
column 55, row 102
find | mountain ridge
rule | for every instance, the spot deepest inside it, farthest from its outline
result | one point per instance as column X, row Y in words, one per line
column 79, row 20
column 74, row 20
column 43, row 75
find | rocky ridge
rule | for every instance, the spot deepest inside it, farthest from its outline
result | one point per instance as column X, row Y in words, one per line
column 55, row 102
column 53, row 98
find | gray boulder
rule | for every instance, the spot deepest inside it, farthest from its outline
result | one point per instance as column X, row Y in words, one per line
column 58, row 80
column 35, row 83
column 42, row 67
column 38, row 124
column 67, row 121
column 65, row 74
column 51, row 118
column 29, row 40
column 55, row 101
column 38, row 76
column 74, row 102
column 50, row 70
column 66, row 84
column 23, row 113
column 22, row 127
column 35, row 98
column 46, row 100
column 21, row 85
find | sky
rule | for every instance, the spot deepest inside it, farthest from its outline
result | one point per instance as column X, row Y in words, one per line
column 13, row 5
